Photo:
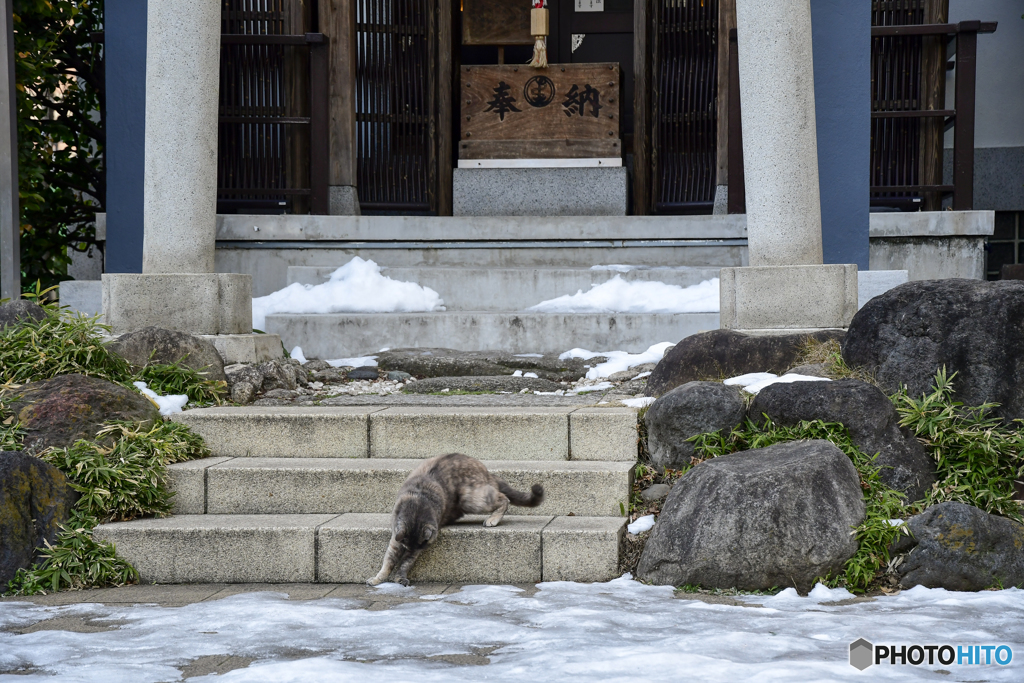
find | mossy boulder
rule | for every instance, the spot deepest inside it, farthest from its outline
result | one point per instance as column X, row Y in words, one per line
column 59, row 411
column 35, row 498
column 152, row 345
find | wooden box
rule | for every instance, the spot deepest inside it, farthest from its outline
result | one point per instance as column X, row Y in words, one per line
column 567, row 111
column 496, row 22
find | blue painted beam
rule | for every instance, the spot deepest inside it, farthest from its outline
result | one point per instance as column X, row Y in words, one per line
column 842, row 102
column 125, row 57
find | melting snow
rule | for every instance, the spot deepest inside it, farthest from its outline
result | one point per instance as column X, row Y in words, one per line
column 359, row 362
column 641, row 402
column 168, row 405
column 616, row 631
column 297, row 355
column 623, row 296
column 618, row 360
column 356, row 287
column 641, row 525
column 756, row 381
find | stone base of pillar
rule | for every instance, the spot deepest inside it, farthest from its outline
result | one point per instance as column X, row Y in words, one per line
column 197, row 303
column 343, row 200
column 246, row 348
column 788, row 297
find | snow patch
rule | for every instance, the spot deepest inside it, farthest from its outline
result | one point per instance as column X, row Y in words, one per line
column 618, row 360
column 623, row 296
column 754, row 382
column 297, row 355
column 641, row 402
column 641, row 525
column 358, row 362
column 356, row 287
column 168, row 405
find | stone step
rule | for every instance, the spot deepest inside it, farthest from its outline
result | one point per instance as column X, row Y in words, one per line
column 262, row 486
column 510, row 289
column 347, row 335
column 349, row 548
column 488, row 433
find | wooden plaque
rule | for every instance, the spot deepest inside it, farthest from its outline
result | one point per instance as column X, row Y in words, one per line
column 562, row 102
column 496, row 22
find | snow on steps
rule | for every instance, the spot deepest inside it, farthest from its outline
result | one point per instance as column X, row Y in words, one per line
column 323, row 478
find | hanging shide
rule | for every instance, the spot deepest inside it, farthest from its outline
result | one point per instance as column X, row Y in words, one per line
column 539, row 31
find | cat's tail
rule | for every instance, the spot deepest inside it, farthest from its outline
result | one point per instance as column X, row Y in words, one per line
column 531, row 500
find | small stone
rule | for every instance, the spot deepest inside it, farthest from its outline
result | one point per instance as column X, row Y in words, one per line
column 812, row 370
column 622, row 376
column 281, row 393
column 317, row 366
column 329, row 375
column 398, row 376
column 655, row 492
column 245, row 382
column 365, row 372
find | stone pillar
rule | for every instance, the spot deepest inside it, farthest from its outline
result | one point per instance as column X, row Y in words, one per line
column 785, row 287
column 178, row 288
column 182, row 82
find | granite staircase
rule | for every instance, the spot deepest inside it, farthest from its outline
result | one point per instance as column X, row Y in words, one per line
column 304, row 494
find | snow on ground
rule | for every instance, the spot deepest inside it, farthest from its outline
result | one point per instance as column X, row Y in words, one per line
column 618, row 360
column 359, row 362
column 298, row 355
column 617, row 631
column 641, row 525
column 754, row 382
column 624, row 296
column 168, row 405
column 641, row 402
column 356, row 287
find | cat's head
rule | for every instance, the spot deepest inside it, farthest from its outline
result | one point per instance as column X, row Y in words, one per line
column 415, row 525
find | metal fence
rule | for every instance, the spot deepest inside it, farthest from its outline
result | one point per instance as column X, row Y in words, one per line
column 396, row 105
column 684, row 104
column 272, row 142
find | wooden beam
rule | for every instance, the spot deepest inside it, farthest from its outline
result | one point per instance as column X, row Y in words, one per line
column 10, row 223
column 726, row 21
column 641, row 110
column 338, row 23
column 933, row 96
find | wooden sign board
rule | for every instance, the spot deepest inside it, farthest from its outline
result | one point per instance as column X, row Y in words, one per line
column 564, row 111
column 496, row 22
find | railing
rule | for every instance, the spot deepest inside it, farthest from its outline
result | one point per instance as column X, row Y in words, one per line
column 254, row 147
column 961, row 118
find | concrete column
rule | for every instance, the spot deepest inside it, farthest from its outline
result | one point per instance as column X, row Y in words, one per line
column 780, row 149
column 10, row 215
column 182, row 83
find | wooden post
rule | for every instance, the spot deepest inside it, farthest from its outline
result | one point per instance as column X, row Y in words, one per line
column 737, row 184
column 296, row 68
column 641, row 107
column 444, row 107
column 338, row 23
column 933, row 96
column 963, row 136
column 10, row 223
column 726, row 22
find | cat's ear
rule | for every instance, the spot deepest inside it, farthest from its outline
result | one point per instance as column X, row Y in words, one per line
column 427, row 534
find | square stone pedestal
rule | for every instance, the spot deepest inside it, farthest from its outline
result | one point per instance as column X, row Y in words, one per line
column 197, row 303
column 246, row 348
column 788, row 297
column 584, row 191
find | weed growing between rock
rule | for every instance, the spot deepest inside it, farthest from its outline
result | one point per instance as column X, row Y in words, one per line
column 830, row 354
column 121, row 475
column 63, row 344
column 978, row 457
column 874, row 535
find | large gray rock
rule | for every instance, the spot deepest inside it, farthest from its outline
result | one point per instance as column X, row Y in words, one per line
column 961, row 548
column 451, row 363
column 972, row 327
column 694, row 408
column 152, row 345
column 720, row 354
column 15, row 312
column 870, row 417
column 35, row 498
column 59, row 411
column 776, row 516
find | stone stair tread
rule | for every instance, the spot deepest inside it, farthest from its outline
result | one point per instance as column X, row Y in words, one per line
column 486, row 432
column 343, row 485
column 349, row 548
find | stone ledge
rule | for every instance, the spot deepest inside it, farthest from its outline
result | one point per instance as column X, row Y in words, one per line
column 932, row 224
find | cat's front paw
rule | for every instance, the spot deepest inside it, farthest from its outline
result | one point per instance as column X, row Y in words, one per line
column 402, row 580
column 373, row 582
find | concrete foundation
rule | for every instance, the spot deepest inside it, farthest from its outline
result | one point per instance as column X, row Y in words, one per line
column 788, row 297
column 931, row 245
column 540, row 192
column 202, row 303
column 871, row 283
column 82, row 296
column 246, row 348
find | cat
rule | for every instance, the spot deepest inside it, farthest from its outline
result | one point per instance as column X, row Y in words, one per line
column 439, row 492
